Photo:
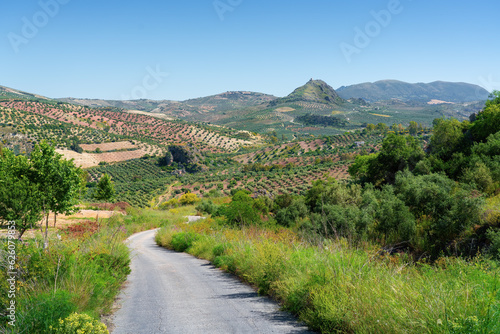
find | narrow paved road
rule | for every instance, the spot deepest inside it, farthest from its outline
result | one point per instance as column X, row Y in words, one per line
column 169, row 292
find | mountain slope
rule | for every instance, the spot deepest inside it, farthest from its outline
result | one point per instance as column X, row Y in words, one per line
column 230, row 101
column 393, row 89
column 315, row 91
column 183, row 109
column 10, row 93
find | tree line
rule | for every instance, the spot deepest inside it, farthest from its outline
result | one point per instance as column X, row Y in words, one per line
column 32, row 187
column 428, row 202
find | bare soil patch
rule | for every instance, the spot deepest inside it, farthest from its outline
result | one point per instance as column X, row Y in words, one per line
column 106, row 147
column 284, row 109
column 439, row 102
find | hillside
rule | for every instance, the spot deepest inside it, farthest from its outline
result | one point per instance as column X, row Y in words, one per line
column 189, row 109
column 424, row 92
column 230, row 101
column 314, row 91
column 326, row 111
column 9, row 93
column 71, row 126
column 317, row 109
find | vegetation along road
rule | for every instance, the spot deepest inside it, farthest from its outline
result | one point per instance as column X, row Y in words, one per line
column 169, row 292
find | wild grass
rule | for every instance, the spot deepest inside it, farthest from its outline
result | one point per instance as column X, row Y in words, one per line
column 76, row 274
column 337, row 288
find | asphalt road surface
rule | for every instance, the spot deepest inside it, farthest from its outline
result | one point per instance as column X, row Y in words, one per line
column 169, row 292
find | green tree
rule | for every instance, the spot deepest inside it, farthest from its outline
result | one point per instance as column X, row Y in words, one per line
column 448, row 137
column 382, row 127
column 370, row 127
column 444, row 209
column 289, row 209
column 479, row 176
column 105, row 189
column 413, row 128
column 69, row 182
column 487, row 121
column 394, row 219
column 58, row 180
column 397, row 153
column 19, row 196
column 240, row 212
column 360, row 169
column 337, row 221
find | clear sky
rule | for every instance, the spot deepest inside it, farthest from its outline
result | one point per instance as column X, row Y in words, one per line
column 163, row 49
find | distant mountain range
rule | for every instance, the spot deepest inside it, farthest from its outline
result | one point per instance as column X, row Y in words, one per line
column 389, row 101
column 312, row 109
column 315, row 91
column 423, row 92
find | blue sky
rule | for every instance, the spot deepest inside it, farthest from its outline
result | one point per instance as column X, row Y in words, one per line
column 190, row 48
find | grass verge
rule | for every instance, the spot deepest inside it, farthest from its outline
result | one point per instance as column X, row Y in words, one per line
column 81, row 272
column 338, row 288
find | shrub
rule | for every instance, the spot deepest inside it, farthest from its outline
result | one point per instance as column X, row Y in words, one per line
column 81, row 324
column 214, row 193
column 188, row 198
column 290, row 210
column 173, row 203
column 183, row 241
column 241, row 211
column 444, row 209
column 207, row 206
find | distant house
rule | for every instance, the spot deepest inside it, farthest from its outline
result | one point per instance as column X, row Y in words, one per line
column 360, row 143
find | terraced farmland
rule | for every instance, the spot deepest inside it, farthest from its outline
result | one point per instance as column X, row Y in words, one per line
column 132, row 125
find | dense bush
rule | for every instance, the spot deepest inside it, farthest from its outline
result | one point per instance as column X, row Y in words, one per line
column 81, row 324
column 188, row 199
column 207, row 207
column 182, row 241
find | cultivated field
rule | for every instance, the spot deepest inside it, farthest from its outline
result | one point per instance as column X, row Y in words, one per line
column 105, row 147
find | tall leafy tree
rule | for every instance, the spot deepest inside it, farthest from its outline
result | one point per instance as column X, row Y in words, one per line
column 58, row 180
column 448, row 137
column 19, row 196
column 397, row 154
column 487, row 121
column 413, row 128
